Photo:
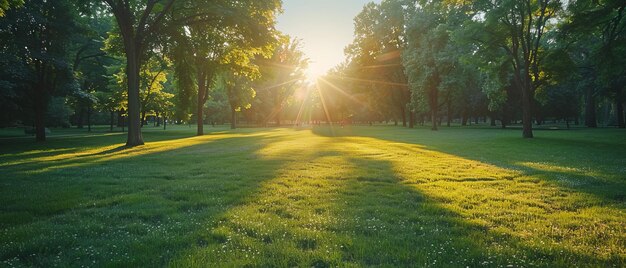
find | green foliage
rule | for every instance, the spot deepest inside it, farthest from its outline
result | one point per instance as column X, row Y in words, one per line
column 7, row 4
column 35, row 60
column 281, row 75
column 58, row 113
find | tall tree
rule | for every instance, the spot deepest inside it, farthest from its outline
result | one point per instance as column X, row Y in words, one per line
column 518, row 27
column 219, row 33
column 139, row 23
column 281, row 75
column 599, row 27
column 35, row 42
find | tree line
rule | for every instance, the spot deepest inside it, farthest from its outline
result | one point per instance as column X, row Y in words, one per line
column 420, row 61
column 69, row 62
column 182, row 60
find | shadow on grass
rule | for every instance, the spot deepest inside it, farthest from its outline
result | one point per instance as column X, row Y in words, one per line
column 338, row 202
column 134, row 210
column 288, row 198
column 579, row 162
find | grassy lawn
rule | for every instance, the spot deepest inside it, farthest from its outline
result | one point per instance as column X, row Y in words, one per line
column 354, row 196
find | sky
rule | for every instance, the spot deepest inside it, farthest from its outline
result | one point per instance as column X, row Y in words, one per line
column 326, row 27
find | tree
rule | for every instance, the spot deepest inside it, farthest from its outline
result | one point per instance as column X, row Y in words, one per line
column 209, row 36
column 239, row 91
column 152, row 77
column 599, row 27
column 518, row 27
column 35, row 59
column 281, row 75
column 139, row 25
column 427, row 40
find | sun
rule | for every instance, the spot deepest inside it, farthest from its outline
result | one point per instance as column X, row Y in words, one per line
column 314, row 72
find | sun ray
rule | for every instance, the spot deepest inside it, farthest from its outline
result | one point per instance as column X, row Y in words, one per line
column 370, row 81
column 343, row 92
column 330, row 122
column 279, row 84
column 304, row 100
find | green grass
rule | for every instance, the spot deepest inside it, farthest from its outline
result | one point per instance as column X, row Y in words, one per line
column 354, row 196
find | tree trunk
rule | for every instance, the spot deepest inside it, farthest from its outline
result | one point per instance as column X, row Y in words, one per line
column 411, row 119
column 132, row 73
column 464, row 117
column 143, row 118
column 590, row 109
column 527, row 115
column 164, row 122
column 120, row 117
column 492, row 121
column 278, row 118
column 448, row 116
column 403, row 112
column 201, row 99
column 233, row 118
column 433, row 118
column 434, row 103
column 89, row 119
column 40, row 115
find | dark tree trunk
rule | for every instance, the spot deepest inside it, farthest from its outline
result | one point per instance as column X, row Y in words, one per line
column 464, row 118
column 89, row 119
column 434, row 103
column 590, row 108
column 158, row 119
column 143, row 118
column 492, row 121
column 476, row 120
column 403, row 112
column 278, row 118
column 120, row 117
column 411, row 119
column 164, row 122
column 132, row 73
column 40, row 108
column 449, row 114
column 201, row 77
column 527, row 115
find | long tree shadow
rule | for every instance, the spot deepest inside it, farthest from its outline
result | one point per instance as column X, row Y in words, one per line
column 286, row 198
column 392, row 222
column 585, row 161
column 354, row 202
column 139, row 209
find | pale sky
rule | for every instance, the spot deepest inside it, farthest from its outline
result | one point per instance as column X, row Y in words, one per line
column 326, row 27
